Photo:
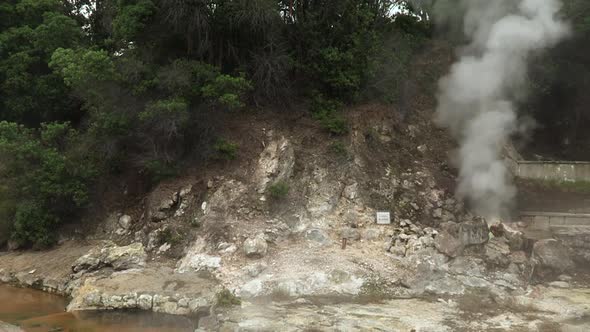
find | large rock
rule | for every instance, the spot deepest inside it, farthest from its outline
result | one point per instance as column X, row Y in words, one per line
column 475, row 231
column 111, row 255
column 255, row 247
column 497, row 252
column 551, row 255
column 455, row 237
column 448, row 244
column 196, row 258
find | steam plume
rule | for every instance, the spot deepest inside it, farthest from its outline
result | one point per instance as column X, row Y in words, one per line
column 476, row 99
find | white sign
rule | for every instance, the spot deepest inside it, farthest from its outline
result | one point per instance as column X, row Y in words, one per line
column 383, row 218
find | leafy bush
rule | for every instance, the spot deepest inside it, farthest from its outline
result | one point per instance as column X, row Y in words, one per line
column 159, row 170
column 227, row 91
column 279, row 190
column 169, row 236
column 327, row 112
column 225, row 298
column 339, row 149
column 226, row 150
column 49, row 181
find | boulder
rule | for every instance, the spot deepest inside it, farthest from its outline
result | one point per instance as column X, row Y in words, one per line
column 455, row 237
column 448, row 244
column 119, row 258
column 551, row 255
column 256, row 246
column 475, row 231
column 497, row 252
column 515, row 238
column 317, row 236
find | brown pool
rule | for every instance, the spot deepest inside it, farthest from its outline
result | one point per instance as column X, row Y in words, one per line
column 37, row 311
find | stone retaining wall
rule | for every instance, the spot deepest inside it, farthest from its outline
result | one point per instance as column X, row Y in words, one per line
column 547, row 220
column 569, row 171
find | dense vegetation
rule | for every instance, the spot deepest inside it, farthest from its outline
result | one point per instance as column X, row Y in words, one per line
column 559, row 99
column 92, row 88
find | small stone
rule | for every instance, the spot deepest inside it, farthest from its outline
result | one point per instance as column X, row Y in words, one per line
column 163, row 248
column 559, row 284
column 371, row 234
column 350, row 233
column 255, row 247
column 518, row 257
column 183, row 302
column 195, row 304
column 404, row 237
column 422, row 148
column 564, row 277
column 144, row 302
column 185, row 191
column 437, row 213
column 318, row 236
column 255, row 269
column 125, row 222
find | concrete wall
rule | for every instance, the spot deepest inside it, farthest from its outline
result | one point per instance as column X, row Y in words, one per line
column 569, row 171
column 547, row 220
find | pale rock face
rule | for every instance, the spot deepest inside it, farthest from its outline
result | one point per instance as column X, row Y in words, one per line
column 120, row 258
column 197, row 260
column 275, row 163
column 255, row 247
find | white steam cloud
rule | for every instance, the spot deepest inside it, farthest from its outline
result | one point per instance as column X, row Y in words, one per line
column 476, row 99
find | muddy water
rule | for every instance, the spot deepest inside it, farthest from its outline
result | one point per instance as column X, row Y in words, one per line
column 36, row 311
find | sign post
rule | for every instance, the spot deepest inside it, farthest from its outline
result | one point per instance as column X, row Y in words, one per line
column 383, row 218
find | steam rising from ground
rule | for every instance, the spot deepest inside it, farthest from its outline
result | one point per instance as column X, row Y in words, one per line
column 476, row 99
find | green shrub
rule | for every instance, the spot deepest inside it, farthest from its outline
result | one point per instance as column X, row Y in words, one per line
column 49, row 180
column 338, row 148
column 158, row 170
column 227, row 91
column 279, row 190
column 34, row 224
column 226, row 150
column 169, row 236
column 327, row 112
column 226, row 298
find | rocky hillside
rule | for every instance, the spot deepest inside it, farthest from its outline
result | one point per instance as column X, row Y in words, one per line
column 292, row 217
